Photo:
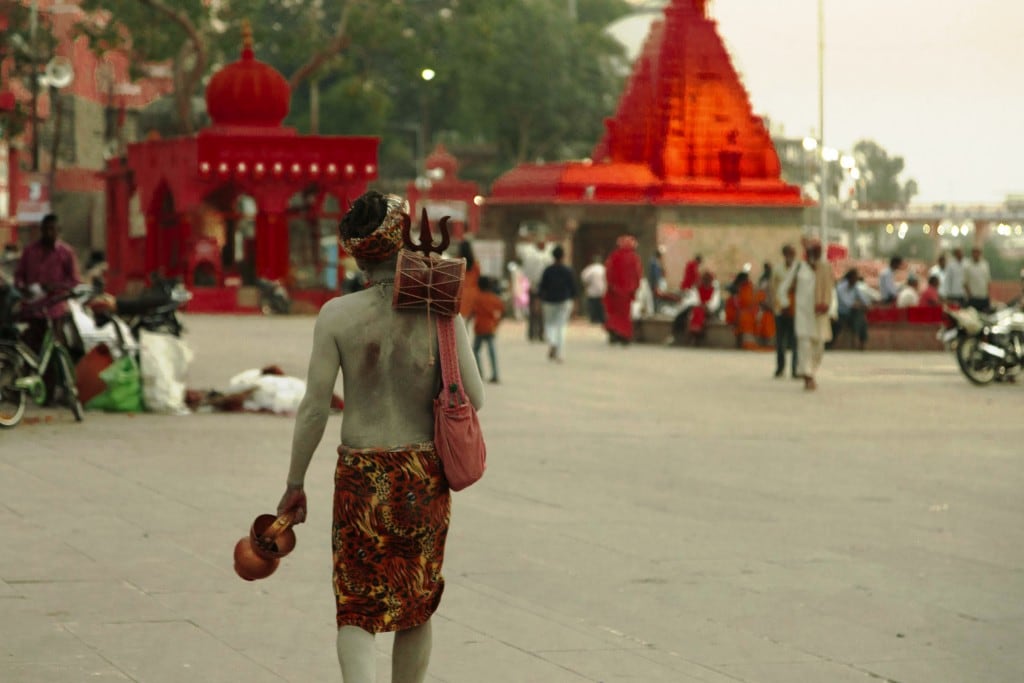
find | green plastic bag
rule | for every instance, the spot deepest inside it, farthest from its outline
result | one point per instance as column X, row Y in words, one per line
column 124, row 388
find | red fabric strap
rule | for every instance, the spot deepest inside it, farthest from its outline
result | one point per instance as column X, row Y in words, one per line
column 450, row 376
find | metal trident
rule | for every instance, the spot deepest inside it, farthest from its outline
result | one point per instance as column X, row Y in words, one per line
column 426, row 244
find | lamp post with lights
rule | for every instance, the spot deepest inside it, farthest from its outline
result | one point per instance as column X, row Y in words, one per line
column 427, row 75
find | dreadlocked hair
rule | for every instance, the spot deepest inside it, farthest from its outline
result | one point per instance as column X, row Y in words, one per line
column 364, row 216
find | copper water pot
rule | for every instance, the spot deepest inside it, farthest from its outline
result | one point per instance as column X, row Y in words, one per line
column 270, row 538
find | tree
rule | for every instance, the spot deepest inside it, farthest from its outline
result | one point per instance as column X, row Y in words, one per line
column 511, row 76
column 26, row 56
column 193, row 36
column 514, row 76
column 883, row 188
column 153, row 32
column 534, row 83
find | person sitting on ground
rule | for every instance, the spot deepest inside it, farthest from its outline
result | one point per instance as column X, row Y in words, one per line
column 707, row 294
column 691, row 273
column 694, row 320
column 909, row 295
column 852, row 305
column 887, row 280
column 930, row 296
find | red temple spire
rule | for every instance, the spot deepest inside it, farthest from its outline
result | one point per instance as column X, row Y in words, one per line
column 684, row 111
column 684, row 131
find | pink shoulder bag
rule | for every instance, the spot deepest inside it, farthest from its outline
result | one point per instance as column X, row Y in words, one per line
column 457, row 436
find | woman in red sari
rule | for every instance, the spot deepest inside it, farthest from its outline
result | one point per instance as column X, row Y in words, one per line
column 623, row 271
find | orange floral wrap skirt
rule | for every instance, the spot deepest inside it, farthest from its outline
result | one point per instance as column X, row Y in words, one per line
column 391, row 513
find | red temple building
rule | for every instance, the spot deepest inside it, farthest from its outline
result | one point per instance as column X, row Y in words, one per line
column 243, row 199
column 442, row 193
column 684, row 163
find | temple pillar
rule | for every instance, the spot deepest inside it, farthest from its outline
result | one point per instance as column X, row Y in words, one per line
column 272, row 244
column 178, row 245
column 118, row 224
column 154, row 255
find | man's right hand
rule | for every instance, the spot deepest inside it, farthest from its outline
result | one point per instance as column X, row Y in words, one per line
column 294, row 498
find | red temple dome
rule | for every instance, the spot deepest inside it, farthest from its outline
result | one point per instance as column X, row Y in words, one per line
column 248, row 92
column 442, row 159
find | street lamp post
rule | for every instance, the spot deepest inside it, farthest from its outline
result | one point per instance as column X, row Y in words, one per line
column 821, row 119
column 427, row 75
column 810, row 146
column 34, row 82
column 828, row 157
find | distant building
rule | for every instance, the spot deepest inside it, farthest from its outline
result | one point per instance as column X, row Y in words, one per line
column 86, row 122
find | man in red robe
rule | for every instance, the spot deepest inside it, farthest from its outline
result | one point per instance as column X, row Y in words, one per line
column 691, row 274
column 623, row 271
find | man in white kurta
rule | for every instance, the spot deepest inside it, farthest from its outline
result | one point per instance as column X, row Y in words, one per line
column 815, row 289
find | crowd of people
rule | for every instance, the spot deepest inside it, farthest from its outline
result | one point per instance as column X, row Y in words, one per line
column 608, row 286
column 798, row 308
column 763, row 313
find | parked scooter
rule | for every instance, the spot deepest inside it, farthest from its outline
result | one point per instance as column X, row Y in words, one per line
column 155, row 310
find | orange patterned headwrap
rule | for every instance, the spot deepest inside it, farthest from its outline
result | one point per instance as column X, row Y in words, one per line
column 386, row 240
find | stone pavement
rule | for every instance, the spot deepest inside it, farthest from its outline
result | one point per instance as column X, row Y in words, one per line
column 649, row 514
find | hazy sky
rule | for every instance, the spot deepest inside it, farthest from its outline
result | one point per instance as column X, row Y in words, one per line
column 938, row 82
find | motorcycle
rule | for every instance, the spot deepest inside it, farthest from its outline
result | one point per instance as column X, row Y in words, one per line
column 273, row 297
column 957, row 325
column 155, row 310
column 988, row 347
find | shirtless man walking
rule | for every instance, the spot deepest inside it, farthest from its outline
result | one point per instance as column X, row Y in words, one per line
column 391, row 500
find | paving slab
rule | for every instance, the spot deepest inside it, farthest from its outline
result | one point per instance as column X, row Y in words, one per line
column 649, row 514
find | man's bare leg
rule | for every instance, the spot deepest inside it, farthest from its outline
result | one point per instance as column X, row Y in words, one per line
column 356, row 654
column 411, row 654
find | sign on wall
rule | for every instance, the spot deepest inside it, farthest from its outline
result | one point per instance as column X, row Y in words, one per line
column 33, row 197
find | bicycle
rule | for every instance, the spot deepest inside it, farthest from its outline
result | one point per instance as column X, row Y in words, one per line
column 22, row 371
